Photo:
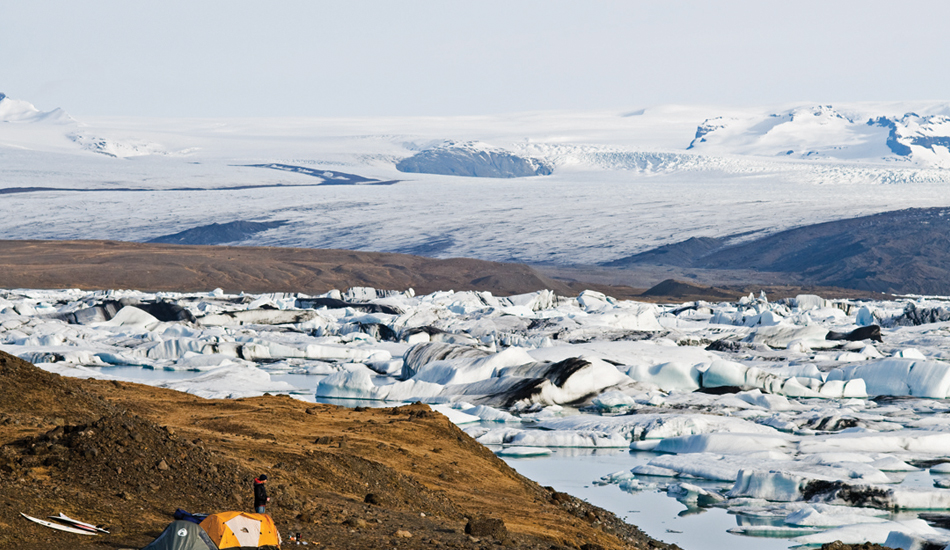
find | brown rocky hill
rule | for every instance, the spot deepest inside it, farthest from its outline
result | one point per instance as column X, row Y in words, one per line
column 126, row 455
column 155, row 267
column 103, row 265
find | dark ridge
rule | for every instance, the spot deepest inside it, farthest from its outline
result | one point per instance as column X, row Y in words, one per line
column 678, row 289
column 218, row 233
column 904, row 251
column 681, row 254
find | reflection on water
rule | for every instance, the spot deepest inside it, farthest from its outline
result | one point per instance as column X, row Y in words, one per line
column 662, row 517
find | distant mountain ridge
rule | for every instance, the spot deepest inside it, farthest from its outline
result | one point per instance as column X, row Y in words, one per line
column 905, row 251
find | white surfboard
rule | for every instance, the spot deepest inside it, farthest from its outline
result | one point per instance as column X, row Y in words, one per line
column 63, row 518
column 59, row 526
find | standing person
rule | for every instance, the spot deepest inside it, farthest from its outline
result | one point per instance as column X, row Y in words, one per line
column 260, row 494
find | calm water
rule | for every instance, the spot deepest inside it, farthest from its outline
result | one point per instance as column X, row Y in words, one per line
column 573, row 471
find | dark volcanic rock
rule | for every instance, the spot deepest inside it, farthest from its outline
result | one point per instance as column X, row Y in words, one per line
column 679, row 289
column 487, row 527
column 218, row 233
column 871, row 332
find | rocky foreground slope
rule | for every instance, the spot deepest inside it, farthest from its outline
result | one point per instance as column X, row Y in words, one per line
column 127, row 455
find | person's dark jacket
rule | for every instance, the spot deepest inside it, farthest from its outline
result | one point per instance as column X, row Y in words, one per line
column 260, row 493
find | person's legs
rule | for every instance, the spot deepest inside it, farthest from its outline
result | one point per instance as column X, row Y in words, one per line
column 259, row 509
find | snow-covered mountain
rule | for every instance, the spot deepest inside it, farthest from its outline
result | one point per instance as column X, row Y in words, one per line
column 472, row 159
column 17, row 110
column 57, row 124
column 829, row 133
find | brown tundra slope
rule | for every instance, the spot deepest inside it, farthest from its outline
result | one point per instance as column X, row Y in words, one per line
column 127, row 455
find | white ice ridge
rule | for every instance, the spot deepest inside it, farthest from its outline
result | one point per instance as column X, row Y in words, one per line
column 780, row 418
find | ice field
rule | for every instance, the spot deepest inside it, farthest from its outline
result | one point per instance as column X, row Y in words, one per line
column 622, row 183
column 814, row 420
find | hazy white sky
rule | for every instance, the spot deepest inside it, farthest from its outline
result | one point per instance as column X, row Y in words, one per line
column 444, row 57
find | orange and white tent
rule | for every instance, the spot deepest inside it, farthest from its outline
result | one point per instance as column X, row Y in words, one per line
column 241, row 530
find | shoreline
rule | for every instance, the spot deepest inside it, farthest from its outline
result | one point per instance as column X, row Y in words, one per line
column 125, row 454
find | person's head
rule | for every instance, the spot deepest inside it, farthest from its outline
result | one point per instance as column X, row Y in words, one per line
column 262, row 478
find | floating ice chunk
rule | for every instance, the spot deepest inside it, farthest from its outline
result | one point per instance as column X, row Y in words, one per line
column 701, row 465
column 463, row 370
column 724, row 443
column 892, row 464
column 769, row 485
column 856, row 388
column 794, row 388
column 641, row 317
column 916, row 541
column 174, row 348
column 591, row 300
column 910, row 353
column 352, row 383
column 455, row 416
column 524, row 451
column 664, row 426
column 893, row 498
column 657, row 471
column 668, row 376
column 196, row 361
column 490, row 414
column 766, row 401
column 567, row 381
column 131, row 316
column 942, row 468
column 263, row 317
column 615, row 477
column 805, row 302
column 877, row 533
column 864, row 317
column 409, row 390
column 899, row 376
column 388, row 366
column 780, row 336
column 724, row 373
column 563, row 438
column 913, row 441
column 348, row 353
column 613, row 401
column 229, row 382
column 645, row 444
column 123, row 359
column 783, row 531
column 497, row 436
column 824, row 515
column 690, row 494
